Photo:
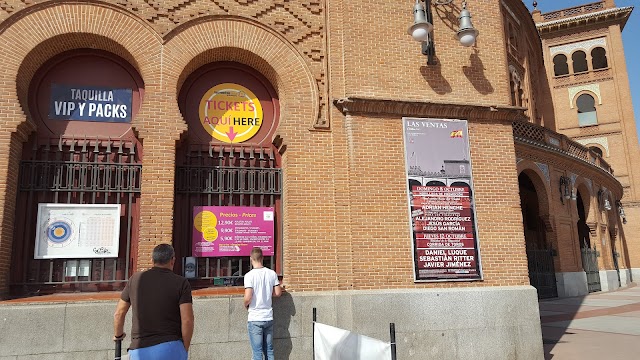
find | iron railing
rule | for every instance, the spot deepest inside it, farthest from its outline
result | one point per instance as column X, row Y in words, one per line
column 215, row 175
column 542, row 274
column 75, row 171
column 574, row 11
column 537, row 135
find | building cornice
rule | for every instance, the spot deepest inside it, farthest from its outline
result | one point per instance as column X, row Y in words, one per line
column 621, row 14
column 355, row 105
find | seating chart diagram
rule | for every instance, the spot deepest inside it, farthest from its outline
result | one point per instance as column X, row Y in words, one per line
column 72, row 231
column 60, row 232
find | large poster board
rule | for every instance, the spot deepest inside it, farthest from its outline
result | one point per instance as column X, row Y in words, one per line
column 440, row 197
column 77, row 231
column 232, row 230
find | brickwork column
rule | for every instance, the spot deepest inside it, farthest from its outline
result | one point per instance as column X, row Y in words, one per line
column 11, row 148
column 630, row 237
column 159, row 125
column 495, row 179
column 569, row 257
column 157, row 196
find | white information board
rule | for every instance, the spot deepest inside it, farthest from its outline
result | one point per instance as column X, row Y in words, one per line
column 77, row 231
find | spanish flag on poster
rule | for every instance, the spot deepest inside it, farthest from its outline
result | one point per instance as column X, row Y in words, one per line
column 456, row 134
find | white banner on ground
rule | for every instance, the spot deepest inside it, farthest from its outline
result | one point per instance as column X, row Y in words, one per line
column 331, row 343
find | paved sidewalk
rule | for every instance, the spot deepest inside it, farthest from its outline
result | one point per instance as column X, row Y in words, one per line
column 597, row 326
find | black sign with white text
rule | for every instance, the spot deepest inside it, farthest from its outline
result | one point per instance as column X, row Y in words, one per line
column 86, row 103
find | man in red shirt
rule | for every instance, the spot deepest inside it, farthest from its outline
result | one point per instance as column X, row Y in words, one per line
column 162, row 322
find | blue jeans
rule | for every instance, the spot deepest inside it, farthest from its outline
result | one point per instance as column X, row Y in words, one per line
column 261, row 339
column 172, row 350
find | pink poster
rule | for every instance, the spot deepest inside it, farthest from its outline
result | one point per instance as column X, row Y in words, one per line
column 232, row 230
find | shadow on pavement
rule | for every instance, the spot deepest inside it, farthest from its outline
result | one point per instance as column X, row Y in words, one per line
column 556, row 316
column 552, row 311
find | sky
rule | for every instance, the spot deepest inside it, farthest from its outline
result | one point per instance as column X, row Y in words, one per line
column 629, row 38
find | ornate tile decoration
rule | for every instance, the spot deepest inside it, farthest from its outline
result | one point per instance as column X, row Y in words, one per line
column 582, row 45
column 301, row 22
column 594, row 88
column 545, row 170
column 600, row 140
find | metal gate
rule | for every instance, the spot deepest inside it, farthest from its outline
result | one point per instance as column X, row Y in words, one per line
column 542, row 274
column 590, row 266
column 208, row 175
column 75, row 171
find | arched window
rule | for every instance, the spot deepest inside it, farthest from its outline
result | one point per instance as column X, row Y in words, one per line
column 596, row 150
column 586, row 110
column 560, row 66
column 579, row 62
column 599, row 58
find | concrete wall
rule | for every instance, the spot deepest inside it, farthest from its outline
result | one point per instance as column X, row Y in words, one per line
column 625, row 277
column 609, row 280
column 572, row 284
column 635, row 274
column 471, row 323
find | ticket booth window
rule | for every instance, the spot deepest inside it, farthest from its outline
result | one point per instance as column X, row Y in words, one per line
column 78, row 200
column 227, row 170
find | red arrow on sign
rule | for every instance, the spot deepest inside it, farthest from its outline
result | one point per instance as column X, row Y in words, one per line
column 231, row 135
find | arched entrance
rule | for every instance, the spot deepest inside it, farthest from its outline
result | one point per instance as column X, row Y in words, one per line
column 588, row 253
column 584, row 233
column 226, row 163
column 542, row 274
column 77, row 208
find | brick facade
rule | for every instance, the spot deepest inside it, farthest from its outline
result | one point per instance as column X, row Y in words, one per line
column 344, row 85
column 615, row 133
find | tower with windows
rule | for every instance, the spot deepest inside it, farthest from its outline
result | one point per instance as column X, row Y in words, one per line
column 588, row 81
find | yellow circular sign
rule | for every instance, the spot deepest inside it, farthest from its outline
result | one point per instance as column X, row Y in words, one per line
column 210, row 234
column 206, row 222
column 231, row 113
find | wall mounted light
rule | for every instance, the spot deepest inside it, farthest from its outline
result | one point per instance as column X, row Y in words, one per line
column 422, row 27
column 621, row 211
column 603, row 199
column 466, row 34
column 565, row 188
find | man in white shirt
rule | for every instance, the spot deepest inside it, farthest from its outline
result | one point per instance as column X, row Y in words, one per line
column 260, row 285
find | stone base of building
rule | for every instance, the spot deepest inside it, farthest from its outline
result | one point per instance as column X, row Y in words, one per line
column 609, row 280
column 460, row 323
column 634, row 275
column 572, row 284
column 625, row 277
